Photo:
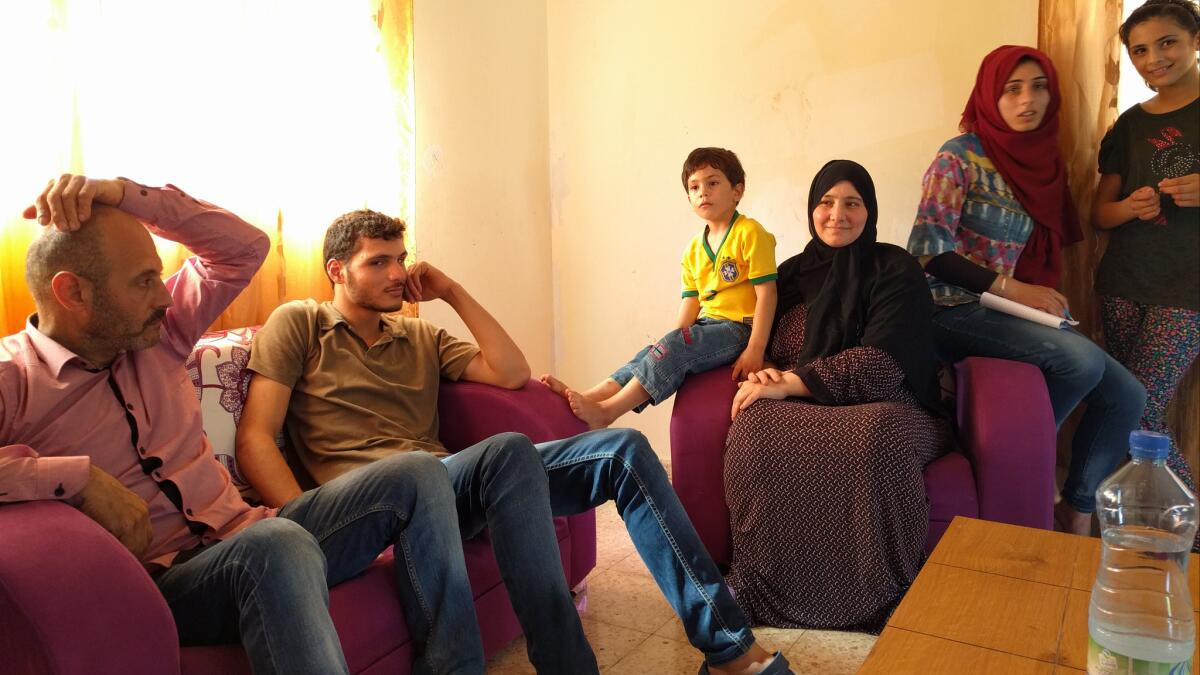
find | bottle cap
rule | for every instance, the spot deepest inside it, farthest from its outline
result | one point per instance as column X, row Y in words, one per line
column 1149, row 445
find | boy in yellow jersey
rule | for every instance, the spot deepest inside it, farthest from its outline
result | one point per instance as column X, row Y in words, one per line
column 728, row 300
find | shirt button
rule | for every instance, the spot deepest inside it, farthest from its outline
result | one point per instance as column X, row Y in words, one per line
column 144, row 193
column 157, row 475
column 188, row 511
column 129, row 406
column 141, row 451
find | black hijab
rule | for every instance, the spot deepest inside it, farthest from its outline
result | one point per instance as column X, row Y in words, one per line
column 865, row 294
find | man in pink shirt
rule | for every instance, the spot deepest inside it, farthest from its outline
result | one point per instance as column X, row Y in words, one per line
column 96, row 410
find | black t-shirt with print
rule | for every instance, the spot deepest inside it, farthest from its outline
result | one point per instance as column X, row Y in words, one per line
column 1155, row 262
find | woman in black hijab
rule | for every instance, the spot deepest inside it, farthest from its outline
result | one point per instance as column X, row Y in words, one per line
column 846, row 423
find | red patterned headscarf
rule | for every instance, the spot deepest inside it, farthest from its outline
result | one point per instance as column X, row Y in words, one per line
column 1029, row 161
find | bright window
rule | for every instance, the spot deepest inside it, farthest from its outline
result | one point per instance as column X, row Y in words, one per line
column 286, row 112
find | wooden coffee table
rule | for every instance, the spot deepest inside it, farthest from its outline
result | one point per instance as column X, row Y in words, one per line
column 996, row 598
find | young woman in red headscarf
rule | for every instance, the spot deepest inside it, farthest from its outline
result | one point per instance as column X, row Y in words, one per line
column 994, row 216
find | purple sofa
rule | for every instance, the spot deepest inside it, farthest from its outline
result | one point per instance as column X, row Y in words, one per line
column 1003, row 469
column 74, row 601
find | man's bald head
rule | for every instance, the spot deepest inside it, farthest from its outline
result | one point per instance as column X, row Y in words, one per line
column 81, row 252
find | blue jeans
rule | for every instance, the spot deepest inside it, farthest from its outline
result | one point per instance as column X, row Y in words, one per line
column 267, row 586
column 513, row 487
column 662, row 366
column 618, row 464
column 501, row 484
column 1076, row 370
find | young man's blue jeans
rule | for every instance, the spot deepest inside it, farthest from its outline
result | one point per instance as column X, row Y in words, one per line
column 512, row 486
column 1075, row 368
column 662, row 366
column 267, row 586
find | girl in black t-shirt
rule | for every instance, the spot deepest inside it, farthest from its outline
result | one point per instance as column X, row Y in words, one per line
column 1149, row 197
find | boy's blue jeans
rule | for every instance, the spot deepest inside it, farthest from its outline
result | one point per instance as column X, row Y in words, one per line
column 1076, row 370
column 662, row 366
column 267, row 586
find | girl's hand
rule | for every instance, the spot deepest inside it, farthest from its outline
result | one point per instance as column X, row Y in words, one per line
column 1039, row 297
column 1144, row 203
column 1185, row 190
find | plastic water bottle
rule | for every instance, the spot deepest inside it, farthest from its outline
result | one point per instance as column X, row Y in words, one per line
column 1140, row 620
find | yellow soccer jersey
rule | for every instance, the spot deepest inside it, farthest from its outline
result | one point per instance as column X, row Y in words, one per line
column 724, row 279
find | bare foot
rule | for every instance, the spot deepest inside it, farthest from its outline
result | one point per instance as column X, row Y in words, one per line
column 556, row 385
column 588, row 410
column 1067, row 519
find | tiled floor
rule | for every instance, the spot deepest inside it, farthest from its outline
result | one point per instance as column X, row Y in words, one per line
column 634, row 632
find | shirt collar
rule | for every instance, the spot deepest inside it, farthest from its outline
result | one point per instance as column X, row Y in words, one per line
column 53, row 354
column 328, row 316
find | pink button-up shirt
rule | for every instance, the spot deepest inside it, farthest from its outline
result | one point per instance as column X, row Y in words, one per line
column 139, row 419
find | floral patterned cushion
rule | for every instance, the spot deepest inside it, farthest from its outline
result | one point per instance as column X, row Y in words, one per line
column 217, row 366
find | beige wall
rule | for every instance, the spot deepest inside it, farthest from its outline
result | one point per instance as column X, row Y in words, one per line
column 550, row 137
column 482, row 192
column 634, row 86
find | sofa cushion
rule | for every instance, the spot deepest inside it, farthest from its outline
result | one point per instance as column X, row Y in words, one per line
column 217, row 366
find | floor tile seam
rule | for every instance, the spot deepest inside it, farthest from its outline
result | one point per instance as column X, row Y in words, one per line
column 812, row 649
column 794, row 642
column 641, row 568
column 667, row 637
column 632, row 650
column 593, row 617
column 971, row 644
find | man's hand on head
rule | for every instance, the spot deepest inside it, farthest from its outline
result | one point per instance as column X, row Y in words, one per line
column 67, row 201
column 117, row 510
column 426, row 282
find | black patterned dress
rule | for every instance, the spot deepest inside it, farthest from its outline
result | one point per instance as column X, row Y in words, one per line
column 827, row 502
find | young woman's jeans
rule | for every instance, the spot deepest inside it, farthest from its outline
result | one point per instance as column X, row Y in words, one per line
column 661, row 367
column 1076, row 370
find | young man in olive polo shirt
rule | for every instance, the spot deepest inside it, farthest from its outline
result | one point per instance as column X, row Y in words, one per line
column 355, row 384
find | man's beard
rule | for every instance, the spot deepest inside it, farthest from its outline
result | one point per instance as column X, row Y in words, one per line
column 363, row 300
column 114, row 330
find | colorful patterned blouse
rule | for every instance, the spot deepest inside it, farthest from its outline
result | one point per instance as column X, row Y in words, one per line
column 966, row 207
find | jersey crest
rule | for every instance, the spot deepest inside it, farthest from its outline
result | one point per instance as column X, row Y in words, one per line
column 728, row 270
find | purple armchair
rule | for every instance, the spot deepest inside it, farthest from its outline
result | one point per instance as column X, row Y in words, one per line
column 74, row 601
column 1002, row 470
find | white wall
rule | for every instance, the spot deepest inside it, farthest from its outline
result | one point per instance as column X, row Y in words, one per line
column 482, row 192
column 787, row 84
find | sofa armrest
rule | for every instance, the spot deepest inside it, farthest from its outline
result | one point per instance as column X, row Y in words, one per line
column 1006, row 428
column 699, row 424
column 73, row 600
column 469, row 412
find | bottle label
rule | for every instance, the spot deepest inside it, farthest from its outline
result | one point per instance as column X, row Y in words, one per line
column 1103, row 661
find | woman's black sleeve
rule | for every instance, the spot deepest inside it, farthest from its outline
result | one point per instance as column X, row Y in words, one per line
column 955, row 269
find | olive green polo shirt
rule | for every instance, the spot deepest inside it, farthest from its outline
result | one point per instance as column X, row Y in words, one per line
column 352, row 404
